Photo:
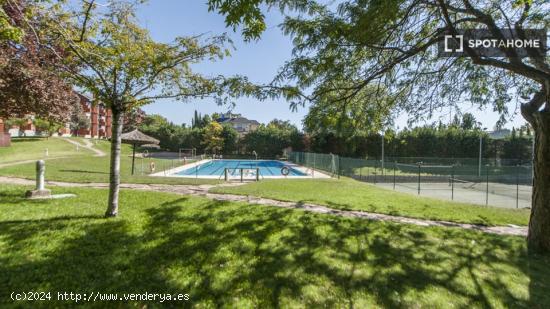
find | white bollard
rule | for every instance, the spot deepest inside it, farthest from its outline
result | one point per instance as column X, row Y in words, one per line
column 40, row 170
column 46, row 152
column 40, row 191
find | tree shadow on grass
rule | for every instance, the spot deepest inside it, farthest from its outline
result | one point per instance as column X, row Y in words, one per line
column 84, row 171
column 18, row 197
column 227, row 254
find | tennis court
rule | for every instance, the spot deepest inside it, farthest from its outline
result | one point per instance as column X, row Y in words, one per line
column 490, row 194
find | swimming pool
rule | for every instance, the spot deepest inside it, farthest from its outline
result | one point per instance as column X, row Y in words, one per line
column 267, row 168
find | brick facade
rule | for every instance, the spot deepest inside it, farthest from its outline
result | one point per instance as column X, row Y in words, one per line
column 100, row 123
column 100, row 119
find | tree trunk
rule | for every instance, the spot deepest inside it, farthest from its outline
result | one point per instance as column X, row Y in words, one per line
column 114, row 175
column 539, row 224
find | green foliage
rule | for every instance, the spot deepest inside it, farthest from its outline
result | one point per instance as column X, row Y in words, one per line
column 212, row 139
column 351, row 45
column 199, row 121
column 78, row 119
column 426, row 141
column 269, row 141
column 8, row 32
column 124, row 67
column 364, row 112
column 230, row 139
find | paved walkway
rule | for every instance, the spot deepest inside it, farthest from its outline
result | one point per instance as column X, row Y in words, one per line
column 202, row 190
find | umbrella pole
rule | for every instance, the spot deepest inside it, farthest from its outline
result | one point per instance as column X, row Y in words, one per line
column 133, row 158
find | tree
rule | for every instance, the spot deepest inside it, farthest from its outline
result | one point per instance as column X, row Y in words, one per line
column 230, row 138
column 469, row 122
column 8, row 30
column 133, row 119
column 270, row 140
column 30, row 81
column 123, row 67
column 196, row 122
column 78, row 119
column 47, row 126
column 392, row 43
column 212, row 137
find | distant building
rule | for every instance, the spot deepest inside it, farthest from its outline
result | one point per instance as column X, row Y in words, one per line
column 242, row 125
column 500, row 134
column 100, row 122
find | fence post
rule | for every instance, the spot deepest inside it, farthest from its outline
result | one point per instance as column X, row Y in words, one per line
column 419, row 167
column 313, row 170
column 375, row 163
column 517, row 186
column 360, row 173
column 241, row 175
column 339, row 168
column 225, row 174
column 452, row 182
column 487, row 185
column 257, row 174
column 394, row 170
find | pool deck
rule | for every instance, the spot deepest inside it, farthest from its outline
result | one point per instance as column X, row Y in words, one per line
column 173, row 172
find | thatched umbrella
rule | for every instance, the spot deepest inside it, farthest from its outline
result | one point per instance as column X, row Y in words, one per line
column 137, row 138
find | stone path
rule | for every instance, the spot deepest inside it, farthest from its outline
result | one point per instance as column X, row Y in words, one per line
column 87, row 144
column 202, row 190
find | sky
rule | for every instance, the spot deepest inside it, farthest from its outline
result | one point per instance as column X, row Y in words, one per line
column 258, row 60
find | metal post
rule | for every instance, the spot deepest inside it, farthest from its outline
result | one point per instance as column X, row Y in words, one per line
column 452, row 183
column 339, row 170
column 394, row 169
column 257, row 174
column 367, row 175
column 375, row 171
column 133, row 158
column 517, row 186
column 419, row 167
column 241, row 175
column 487, row 187
column 480, row 149
column 313, row 170
column 225, row 174
column 382, row 153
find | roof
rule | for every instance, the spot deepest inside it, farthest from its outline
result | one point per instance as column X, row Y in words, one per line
column 239, row 120
column 136, row 137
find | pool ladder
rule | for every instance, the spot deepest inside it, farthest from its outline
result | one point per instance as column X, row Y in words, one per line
column 226, row 173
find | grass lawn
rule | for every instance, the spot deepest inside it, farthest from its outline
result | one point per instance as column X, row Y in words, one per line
column 22, row 149
column 83, row 166
column 244, row 256
column 353, row 195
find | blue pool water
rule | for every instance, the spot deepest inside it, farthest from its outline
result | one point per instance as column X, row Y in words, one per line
column 217, row 168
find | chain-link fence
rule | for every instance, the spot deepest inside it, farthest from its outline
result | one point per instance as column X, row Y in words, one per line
column 502, row 183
